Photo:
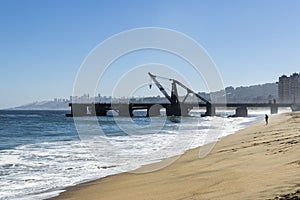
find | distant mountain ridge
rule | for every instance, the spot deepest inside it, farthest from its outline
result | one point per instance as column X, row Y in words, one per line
column 44, row 105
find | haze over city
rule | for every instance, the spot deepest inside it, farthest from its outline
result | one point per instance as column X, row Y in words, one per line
column 43, row 43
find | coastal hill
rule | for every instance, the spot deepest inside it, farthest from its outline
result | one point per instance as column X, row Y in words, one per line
column 250, row 94
column 45, row 105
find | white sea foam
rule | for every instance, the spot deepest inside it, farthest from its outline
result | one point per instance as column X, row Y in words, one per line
column 42, row 170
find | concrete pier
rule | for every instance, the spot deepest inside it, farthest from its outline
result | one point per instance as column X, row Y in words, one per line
column 185, row 110
column 210, row 110
column 241, row 111
column 153, row 109
column 274, row 109
column 125, row 110
column 173, row 110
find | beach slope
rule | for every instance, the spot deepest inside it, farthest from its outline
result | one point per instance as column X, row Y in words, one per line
column 258, row 162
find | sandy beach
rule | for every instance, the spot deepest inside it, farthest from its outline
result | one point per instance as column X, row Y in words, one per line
column 258, row 162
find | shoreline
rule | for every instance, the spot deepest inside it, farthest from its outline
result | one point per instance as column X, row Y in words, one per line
column 178, row 180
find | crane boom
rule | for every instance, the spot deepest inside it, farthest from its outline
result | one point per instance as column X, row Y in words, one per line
column 160, row 87
column 191, row 91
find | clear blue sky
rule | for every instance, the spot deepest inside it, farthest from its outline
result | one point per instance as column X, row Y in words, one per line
column 43, row 43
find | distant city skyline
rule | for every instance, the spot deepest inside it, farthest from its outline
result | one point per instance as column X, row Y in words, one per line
column 289, row 88
column 43, row 43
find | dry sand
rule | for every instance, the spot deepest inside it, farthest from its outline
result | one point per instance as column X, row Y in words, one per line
column 258, row 162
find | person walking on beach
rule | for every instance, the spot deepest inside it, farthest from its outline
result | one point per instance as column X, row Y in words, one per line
column 267, row 119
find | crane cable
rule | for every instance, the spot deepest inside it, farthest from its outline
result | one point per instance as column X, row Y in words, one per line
column 165, row 78
column 161, row 77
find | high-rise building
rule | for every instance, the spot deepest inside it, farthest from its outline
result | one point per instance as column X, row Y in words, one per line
column 289, row 88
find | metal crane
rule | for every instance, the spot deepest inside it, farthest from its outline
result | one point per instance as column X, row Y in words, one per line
column 174, row 94
column 174, row 108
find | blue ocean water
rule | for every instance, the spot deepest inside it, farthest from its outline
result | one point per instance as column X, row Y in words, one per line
column 29, row 127
column 42, row 152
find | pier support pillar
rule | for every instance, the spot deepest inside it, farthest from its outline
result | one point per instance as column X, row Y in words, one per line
column 241, row 112
column 100, row 110
column 184, row 110
column 154, row 110
column 274, row 109
column 210, row 110
column 173, row 110
column 295, row 107
column 125, row 110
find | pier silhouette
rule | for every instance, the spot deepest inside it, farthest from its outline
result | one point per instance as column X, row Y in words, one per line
column 173, row 107
column 153, row 109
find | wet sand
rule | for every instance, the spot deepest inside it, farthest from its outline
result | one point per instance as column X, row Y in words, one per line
column 258, row 162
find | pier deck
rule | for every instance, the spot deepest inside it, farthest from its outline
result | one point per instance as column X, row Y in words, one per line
column 153, row 109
